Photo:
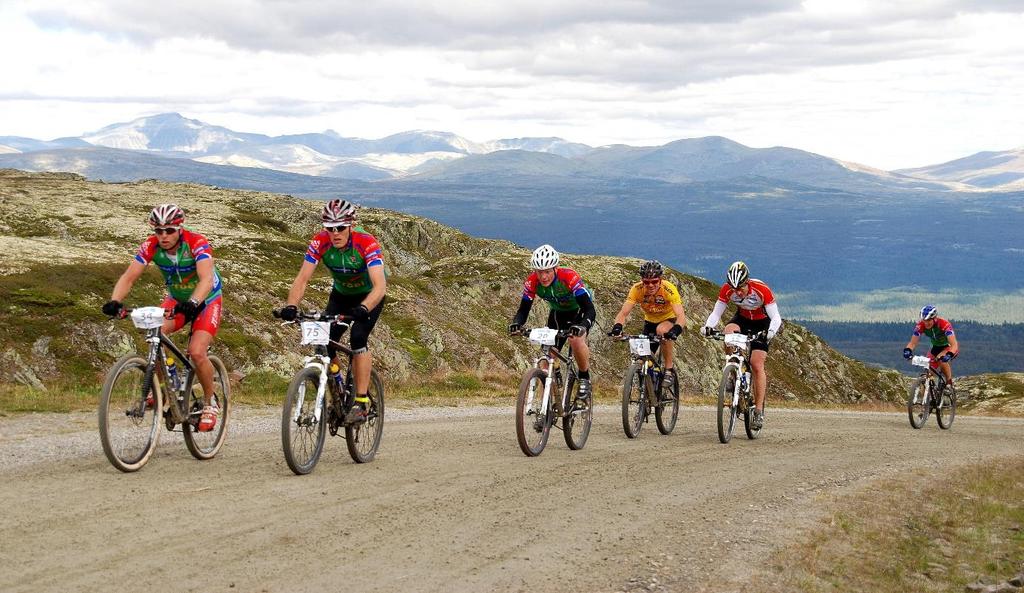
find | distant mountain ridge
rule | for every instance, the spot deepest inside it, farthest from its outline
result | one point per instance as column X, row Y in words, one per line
column 436, row 154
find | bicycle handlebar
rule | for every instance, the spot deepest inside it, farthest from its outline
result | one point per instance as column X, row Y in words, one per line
column 314, row 316
column 718, row 335
column 525, row 332
column 654, row 338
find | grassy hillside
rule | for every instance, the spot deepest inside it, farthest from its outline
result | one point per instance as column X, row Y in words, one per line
column 64, row 241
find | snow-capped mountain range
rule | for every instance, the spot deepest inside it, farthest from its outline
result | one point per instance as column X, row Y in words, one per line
column 423, row 154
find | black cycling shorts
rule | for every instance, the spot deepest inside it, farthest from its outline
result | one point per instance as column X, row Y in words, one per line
column 753, row 326
column 342, row 303
column 563, row 320
column 651, row 329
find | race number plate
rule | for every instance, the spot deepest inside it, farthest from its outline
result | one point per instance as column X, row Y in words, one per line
column 148, row 317
column 737, row 340
column 921, row 361
column 316, row 332
column 543, row 336
column 640, row 346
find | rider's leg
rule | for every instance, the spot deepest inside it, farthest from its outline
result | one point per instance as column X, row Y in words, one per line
column 757, row 358
column 666, row 346
column 362, row 361
column 198, row 351
column 730, row 329
column 947, row 372
column 581, row 351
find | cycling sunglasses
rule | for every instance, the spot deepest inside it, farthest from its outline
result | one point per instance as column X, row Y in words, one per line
column 336, row 229
column 165, row 230
column 650, row 281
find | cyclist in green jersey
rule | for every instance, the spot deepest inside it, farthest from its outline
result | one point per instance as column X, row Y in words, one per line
column 354, row 258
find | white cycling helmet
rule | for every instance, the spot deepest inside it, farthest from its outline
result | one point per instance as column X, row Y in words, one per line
column 737, row 274
column 338, row 212
column 544, row 258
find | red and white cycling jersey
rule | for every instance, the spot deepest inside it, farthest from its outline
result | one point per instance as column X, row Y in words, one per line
column 751, row 306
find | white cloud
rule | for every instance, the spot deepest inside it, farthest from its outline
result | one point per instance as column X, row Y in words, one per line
column 888, row 85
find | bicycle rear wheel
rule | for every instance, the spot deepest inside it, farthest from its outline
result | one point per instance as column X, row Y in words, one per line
column 634, row 400
column 363, row 439
column 918, row 405
column 129, row 414
column 946, row 411
column 302, row 435
column 726, row 411
column 204, row 445
column 533, row 424
column 668, row 408
column 576, row 423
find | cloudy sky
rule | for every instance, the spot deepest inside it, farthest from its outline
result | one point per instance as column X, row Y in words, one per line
column 886, row 84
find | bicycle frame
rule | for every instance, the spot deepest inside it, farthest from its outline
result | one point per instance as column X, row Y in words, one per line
column 157, row 358
column 927, row 371
column 321, row 361
column 649, row 361
column 549, row 355
column 738, row 357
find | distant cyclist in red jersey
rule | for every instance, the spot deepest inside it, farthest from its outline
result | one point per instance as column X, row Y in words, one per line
column 944, row 344
column 756, row 311
column 354, row 258
column 193, row 292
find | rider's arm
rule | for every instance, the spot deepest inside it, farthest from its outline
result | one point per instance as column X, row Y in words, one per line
column 587, row 305
column 716, row 314
column 914, row 339
column 624, row 312
column 953, row 346
column 127, row 280
column 301, row 280
column 523, row 312
column 680, row 315
column 380, row 286
column 204, row 268
column 772, row 309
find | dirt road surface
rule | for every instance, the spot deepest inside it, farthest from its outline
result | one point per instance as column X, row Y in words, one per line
column 450, row 503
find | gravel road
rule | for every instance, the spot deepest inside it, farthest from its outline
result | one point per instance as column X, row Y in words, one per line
column 450, row 503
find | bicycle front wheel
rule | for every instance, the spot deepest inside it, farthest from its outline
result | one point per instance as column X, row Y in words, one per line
column 129, row 414
column 668, row 408
column 748, row 421
column 577, row 421
column 302, row 435
column 204, row 445
column 634, row 400
column 533, row 424
column 363, row 439
column 727, row 413
column 946, row 411
column 918, row 405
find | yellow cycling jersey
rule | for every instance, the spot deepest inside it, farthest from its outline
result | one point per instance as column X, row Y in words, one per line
column 658, row 306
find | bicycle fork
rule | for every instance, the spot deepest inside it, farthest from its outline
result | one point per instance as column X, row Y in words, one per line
column 321, row 390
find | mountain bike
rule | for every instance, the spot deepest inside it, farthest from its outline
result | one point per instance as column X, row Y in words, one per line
column 133, row 398
column 545, row 398
column 318, row 401
column 923, row 399
column 643, row 388
column 735, row 391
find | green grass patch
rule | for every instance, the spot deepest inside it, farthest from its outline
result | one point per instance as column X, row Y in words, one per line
column 260, row 220
column 934, row 534
column 16, row 398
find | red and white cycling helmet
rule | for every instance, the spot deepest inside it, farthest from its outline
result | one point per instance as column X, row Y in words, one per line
column 165, row 215
column 338, row 212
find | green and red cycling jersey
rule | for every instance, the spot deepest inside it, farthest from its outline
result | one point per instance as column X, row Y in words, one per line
column 561, row 293
column 178, row 266
column 938, row 334
column 350, row 266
